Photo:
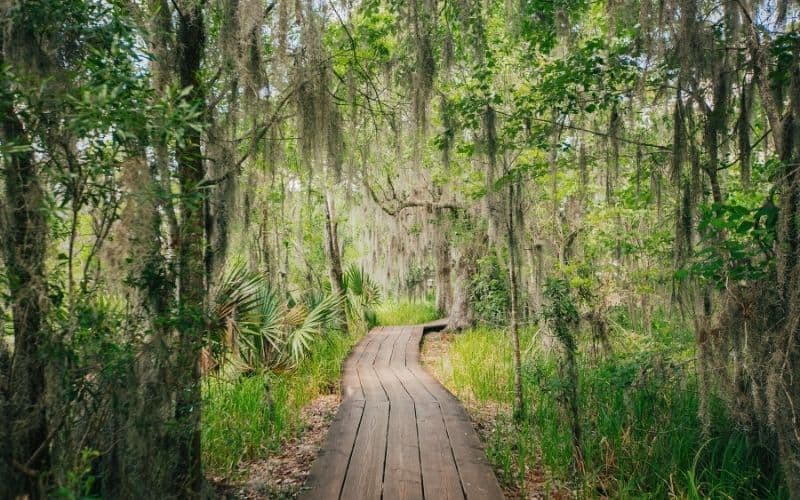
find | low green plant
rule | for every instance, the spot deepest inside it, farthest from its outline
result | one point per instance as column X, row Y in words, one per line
column 279, row 355
column 406, row 313
column 80, row 480
column 362, row 297
column 250, row 416
column 642, row 437
column 249, row 322
column 490, row 293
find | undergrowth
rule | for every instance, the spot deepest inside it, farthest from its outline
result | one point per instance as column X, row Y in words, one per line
column 252, row 415
column 406, row 313
column 638, row 409
column 248, row 417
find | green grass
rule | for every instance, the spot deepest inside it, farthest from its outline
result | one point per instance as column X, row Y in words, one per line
column 642, row 437
column 251, row 416
column 406, row 313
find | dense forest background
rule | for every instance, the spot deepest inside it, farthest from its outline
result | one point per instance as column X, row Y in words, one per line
column 201, row 192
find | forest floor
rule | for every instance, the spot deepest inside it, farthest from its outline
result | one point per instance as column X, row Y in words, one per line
column 282, row 475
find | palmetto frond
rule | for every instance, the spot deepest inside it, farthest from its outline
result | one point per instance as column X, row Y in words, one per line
column 251, row 323
column 363, row 295
column 315, row 323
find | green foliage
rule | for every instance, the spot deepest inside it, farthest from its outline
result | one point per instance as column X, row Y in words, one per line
column 739, row 243
column 392, row 313
column 642, row 437
column 560, row 312
column 416, row 276
column 241, row 418
column 489, row 292
column 96, row 332
column 784, row 50
column 541, row 20
column 298, row 342
column 363, row 296
column 249, row 318
column 80, row 480
column 251, row 416
column 593, row 77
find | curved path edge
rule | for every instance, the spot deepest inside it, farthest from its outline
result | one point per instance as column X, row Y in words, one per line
column 398, row 434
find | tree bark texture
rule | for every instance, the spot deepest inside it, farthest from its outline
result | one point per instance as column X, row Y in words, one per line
column 25, row 238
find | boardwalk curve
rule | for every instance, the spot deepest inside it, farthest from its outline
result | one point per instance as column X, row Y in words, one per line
column 398, row 433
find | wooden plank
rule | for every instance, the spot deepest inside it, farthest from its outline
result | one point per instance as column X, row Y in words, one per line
column 373, row 391
column 399, row 433
column 351, row 383
column 364, row 478
column 477, row 477
column 440, row 479
column 398, row 358
column 389, row 339
column 402, row 476
column 410, row 381
column 412, row 348
column 436, row 325
column 328, row 471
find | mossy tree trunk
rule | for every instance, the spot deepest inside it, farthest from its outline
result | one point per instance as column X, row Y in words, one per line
column 444, row 291
column 513, row 273
column 24, row 239
column 191, row 269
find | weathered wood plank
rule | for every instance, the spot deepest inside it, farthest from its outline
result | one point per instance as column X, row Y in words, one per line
column 440, row 477
column 398, row 434
column 402, row 476
column 365, row 475
column 398, row 358
column 373, row 391
column 477, row 477
column 328, row 471
column 388, row 342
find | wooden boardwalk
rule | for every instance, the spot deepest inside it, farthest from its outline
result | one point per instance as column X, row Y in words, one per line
column 398, row 433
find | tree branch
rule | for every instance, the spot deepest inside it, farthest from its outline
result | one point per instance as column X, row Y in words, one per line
column 604, row 134
column 393, row 206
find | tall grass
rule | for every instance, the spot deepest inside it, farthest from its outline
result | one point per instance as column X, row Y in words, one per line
column 406, row 313
column 642, row 436
column 251, row 416
column 247, row 417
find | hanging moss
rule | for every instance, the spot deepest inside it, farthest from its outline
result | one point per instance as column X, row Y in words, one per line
column 422, row 18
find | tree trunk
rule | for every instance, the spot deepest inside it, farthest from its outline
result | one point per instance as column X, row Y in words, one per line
column 25, row 247
column 443, row 286
column 6, row 469
column 513, row 272
column 191, row 285
column 783, row 381
column 462, row 312
column 493, row 203
column 332, row 248
column 143, row 464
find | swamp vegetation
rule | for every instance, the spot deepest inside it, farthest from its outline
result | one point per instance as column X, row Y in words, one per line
column 206, row 203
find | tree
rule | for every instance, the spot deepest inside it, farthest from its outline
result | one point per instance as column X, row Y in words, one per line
column 25, row 244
